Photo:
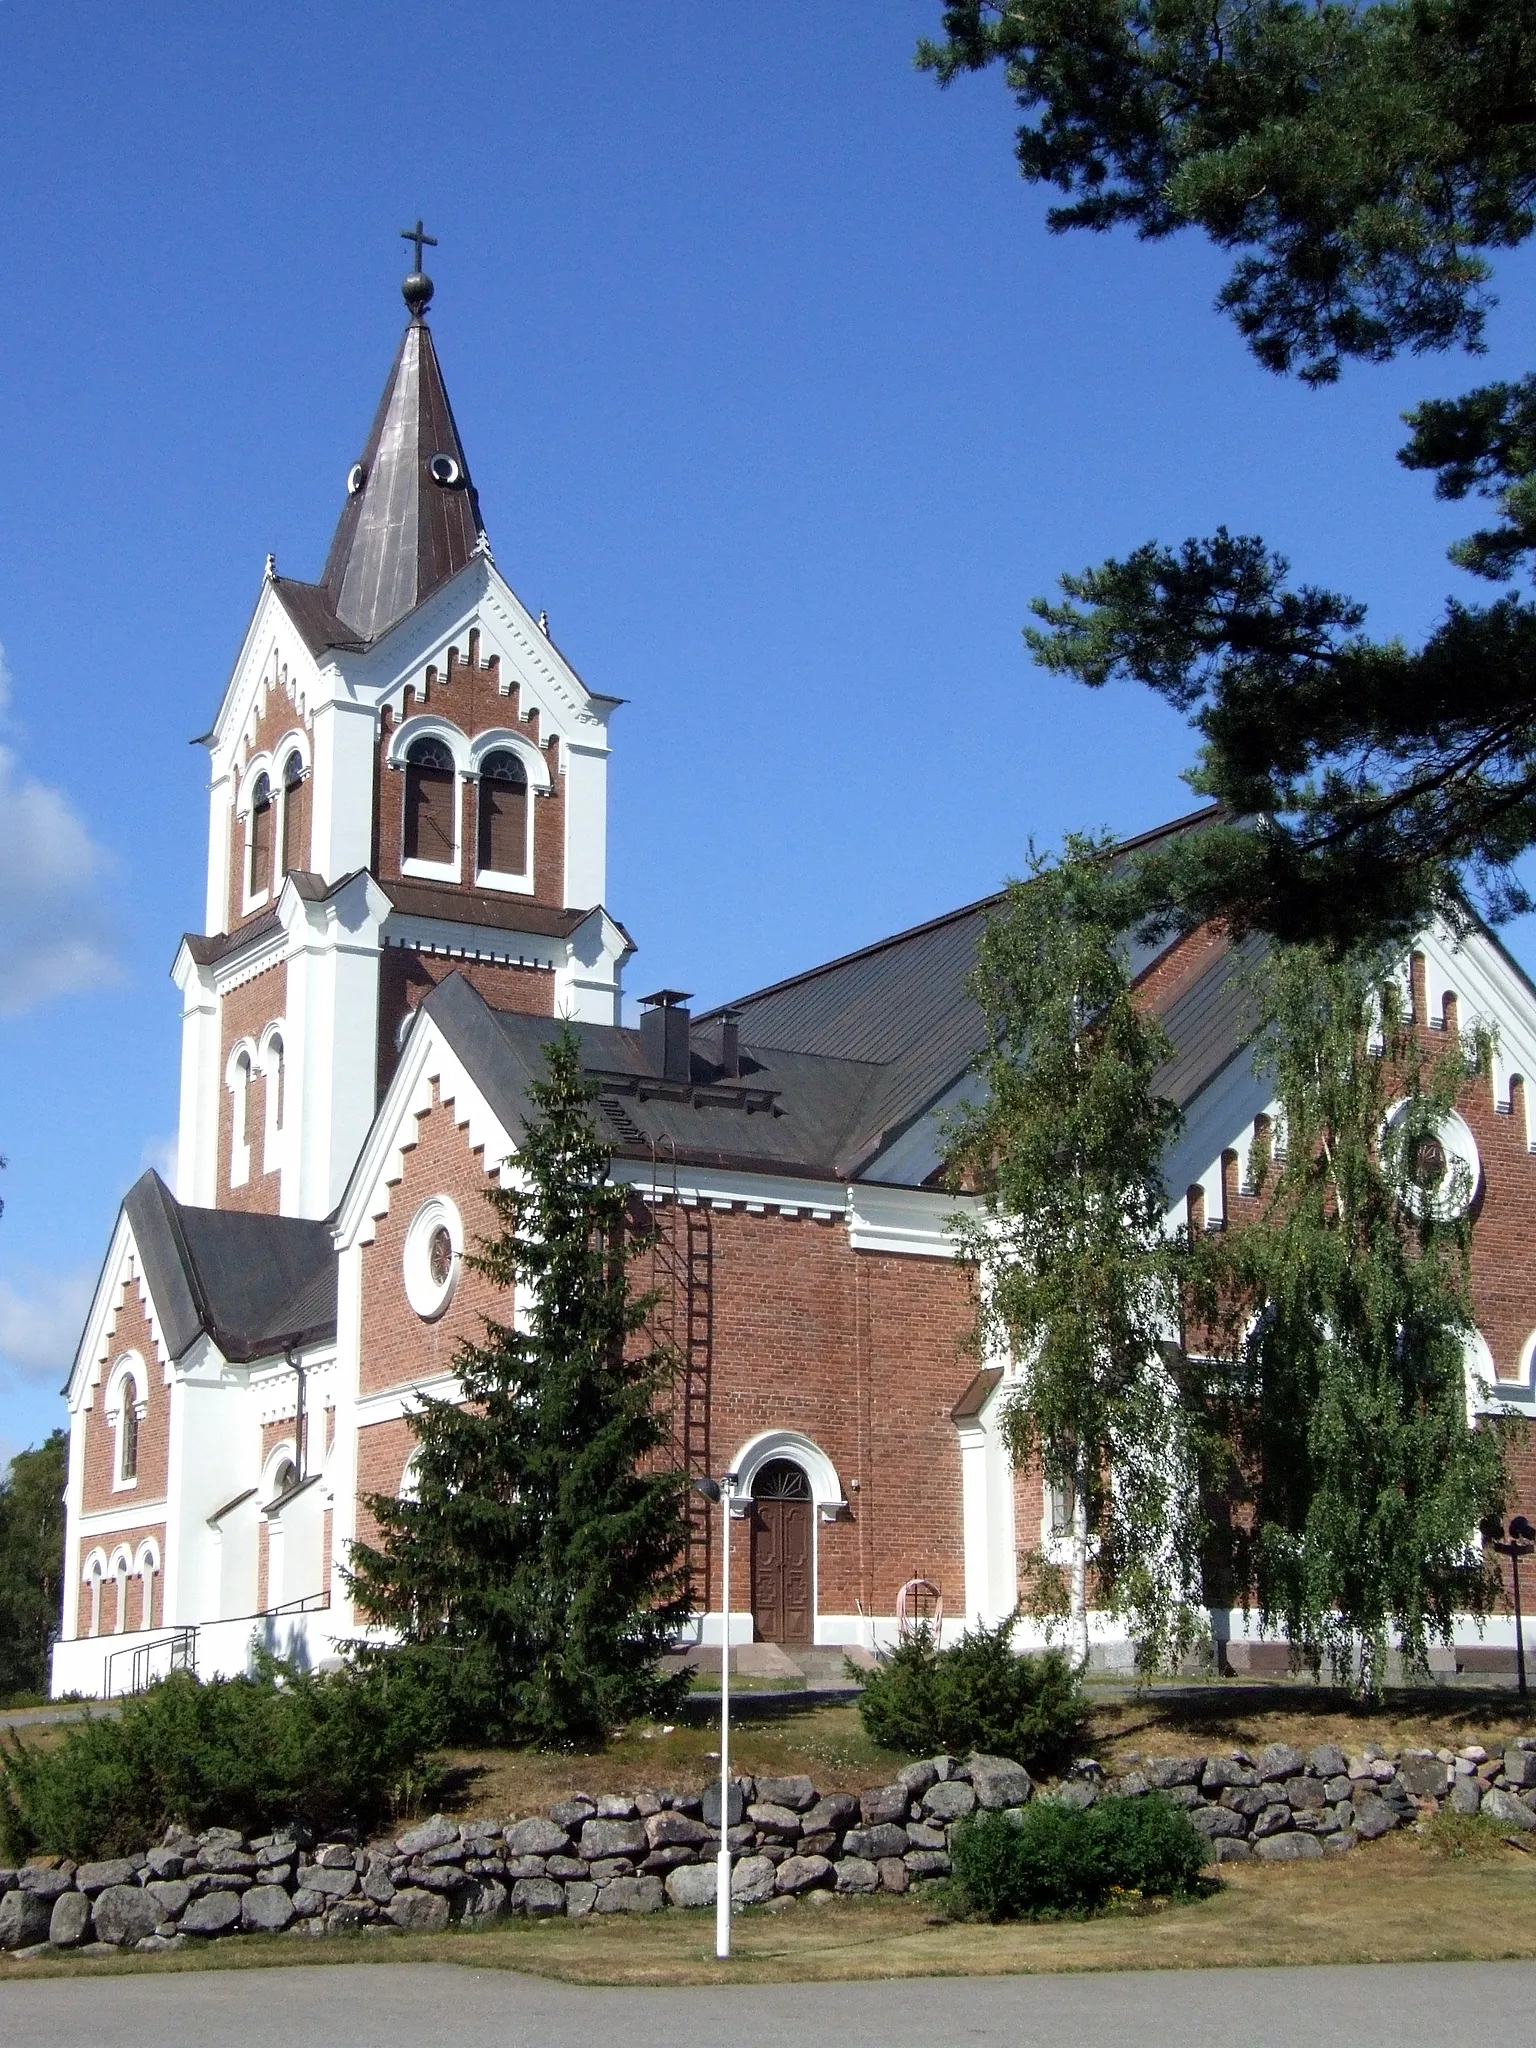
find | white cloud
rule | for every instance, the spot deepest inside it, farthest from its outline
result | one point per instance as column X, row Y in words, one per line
column 160, row 1153
column 52, row 932
column 40, row 1323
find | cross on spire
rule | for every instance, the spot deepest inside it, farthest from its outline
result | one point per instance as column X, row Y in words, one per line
column 418, row 235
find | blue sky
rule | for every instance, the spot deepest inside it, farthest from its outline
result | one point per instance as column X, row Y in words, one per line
column 779, row 399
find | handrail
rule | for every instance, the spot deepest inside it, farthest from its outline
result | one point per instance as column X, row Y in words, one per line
column 181, row 1646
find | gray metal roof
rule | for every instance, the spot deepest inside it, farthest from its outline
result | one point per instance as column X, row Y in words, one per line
column 254, row 1284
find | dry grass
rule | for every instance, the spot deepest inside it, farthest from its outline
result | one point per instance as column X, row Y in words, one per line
column 1396, row 1901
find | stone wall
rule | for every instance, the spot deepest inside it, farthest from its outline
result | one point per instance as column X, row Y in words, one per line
column 642, row 1853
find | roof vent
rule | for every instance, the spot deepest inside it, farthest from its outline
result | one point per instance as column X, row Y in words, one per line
column 730, row 1045
column 664, row 1026
column 444, row 470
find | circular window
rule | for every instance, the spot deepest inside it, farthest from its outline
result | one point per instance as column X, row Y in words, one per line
column 434, row 1245
column 445, row 470
column 1441, row 1169
column 357, row 476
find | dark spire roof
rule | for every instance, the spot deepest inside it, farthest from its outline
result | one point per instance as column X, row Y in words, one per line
column 412, row 518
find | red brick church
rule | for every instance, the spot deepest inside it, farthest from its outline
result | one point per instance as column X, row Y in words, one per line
column 407, row 881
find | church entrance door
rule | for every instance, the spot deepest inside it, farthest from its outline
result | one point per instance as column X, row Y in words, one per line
column 782, row 1601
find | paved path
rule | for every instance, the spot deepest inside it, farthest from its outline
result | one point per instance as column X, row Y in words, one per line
column 401, row 2005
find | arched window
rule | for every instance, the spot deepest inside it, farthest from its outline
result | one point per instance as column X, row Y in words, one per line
column 261, row 836
column 275, row 1078
column 128, row 1435
column 95, row 1572
column 285, row 1479
column 120, row 1570
column 431, row 792
column 295, row 813
column 239, row 1127
column 503, row 842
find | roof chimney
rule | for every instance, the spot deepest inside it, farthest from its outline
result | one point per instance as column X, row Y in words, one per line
column 730, row 1045
column 664, row 1025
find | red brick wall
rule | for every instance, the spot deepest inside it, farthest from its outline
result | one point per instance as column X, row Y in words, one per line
column 128, row 1539
column 467, row 694
column 279, row 716
column 407, row 978
column 245, row 1013
column 130, row 1332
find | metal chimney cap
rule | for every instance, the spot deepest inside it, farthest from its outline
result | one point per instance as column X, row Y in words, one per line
column 667, row 999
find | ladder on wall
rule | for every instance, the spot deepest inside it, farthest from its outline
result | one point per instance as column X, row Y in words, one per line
column 682, row 1322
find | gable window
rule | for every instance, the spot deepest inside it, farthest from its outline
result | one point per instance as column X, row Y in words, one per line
column 239, row 1078
column 431, row 794
column 503, row 837
column 262, row 822
column 128, row 1437
column 295, row 813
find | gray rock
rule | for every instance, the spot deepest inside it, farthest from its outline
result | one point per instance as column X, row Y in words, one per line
column 752, row 1881
column 265, row 1909
column 780, row 1821
column 1341, row 1843
column 70, row 1921
column 741, row 1792
column 335, row 1884
column 539, row 1897
column 1305, row 1794
column 214, row 1912
column 857, row 1874
column 95, row 1877
column 161, row 1944
column 613, row 1806
column 802, row 1873
column 926, row 1863
column 538, row 1838
column 449, row 1852
column 798, row 1794
column 307, row 1904
column 1225, row 1770
column 1339, row 1787
column 1131, row 1786
column 421, row 1911
column 1507, row 1810
column 165, row 1863
column 569, row 1869
column 631, row 1895
column 660, row 1861
column 1520, row 1768
column 1164, row 1772
column 1080, row 1793
column 1423, row 1776
column 692, row 1884
column 1247, row 1800
column 885, row 1805
column 529, row 1866
column 833, row 1812
column 600, row 1838
column 1292, row 1848
column 918, row 1777
column 270, row 1853
column 1278, row 1760
column 1274, row 1820
column 170, row 1894
column 1217, row 1820
column 951, row 1767
column 570, row 1813
column 580, row 1898
column 998, row 1781
column 46, row 1883
column 921, row 1836
column 888, row 1840
column 1328, row 1761
column 1231, row 1849
column 123, row 1913
column 378, row 1886
column 435, row 1833
column 604, row 1869
column 894, row 1874
column 335, row 1856
column 226, row 1859
column 1465, row 1796
column 949, row 1800
column 1373, row 1816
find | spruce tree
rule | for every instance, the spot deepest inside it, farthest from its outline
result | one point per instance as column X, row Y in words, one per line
column 534, row 1576
column 1078, row 1279
column 1344, row 1317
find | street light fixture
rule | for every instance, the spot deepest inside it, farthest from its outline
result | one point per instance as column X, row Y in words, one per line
column 723, row 1491
column 1520, row 1542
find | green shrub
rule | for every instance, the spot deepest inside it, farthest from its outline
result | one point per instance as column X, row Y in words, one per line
column 1061, row 1859
column 251, row 1753
column 977, row 1695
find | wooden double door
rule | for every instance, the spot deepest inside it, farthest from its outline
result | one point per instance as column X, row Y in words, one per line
column 783, row 1566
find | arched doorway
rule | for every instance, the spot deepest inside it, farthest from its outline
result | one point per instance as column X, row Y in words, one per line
column 783, row 1601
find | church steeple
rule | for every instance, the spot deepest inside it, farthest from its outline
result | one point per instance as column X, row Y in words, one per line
column 412, row 518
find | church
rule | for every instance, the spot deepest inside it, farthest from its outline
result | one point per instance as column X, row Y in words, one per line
column 407, row 882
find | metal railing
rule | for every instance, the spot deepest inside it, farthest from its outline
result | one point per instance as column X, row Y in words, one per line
column 179, row 1650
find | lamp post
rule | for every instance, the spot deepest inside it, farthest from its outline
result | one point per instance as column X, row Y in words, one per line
column 722, row 1491
column 1520, row 1542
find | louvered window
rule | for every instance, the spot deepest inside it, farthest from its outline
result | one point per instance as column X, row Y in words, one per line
column 431, row 789
column 295, row 814
column 503, row 848
column 261, row 836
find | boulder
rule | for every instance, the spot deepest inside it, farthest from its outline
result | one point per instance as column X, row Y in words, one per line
column 675, row 1830
column 1341, row 1843
column 1163, row 1772
column 1231, row 1849
column 1328, row 1761
column 170, row 1894
column 335, row 1884
column 798, row 1794
column 570, row 1813
column 833, row 1812
column 605, row 1869
column 741, row 1791
column 1247, row 1800
column 631, row 1895
column 1507, row 1810
column 95, row 1877
column 857, row 1874
column 998, row 1781
column 1520, row 1768
column 948, row 1801
column 779, row 1821
column 537, row 1838
column 1423, row 1776
column 752, row 1881
column 1305, row 1793
column 335, row 1856
column 165, row 1863
column 1337, row 1788
column 921, row 1836
column 1217, row 1820
column 692, row 1884
column 123, row 1913
column 214, row 1912
column 435, row 1833
column 47, row 1881
column 926, row 1863
column 580, row 1898
column 568, row 1869
column 486, row 1898
column 614, row 1806
column 1373, row 1816
column 918, row 1777
column 1080, row 1793
column 1278, row 1760
column 802, row 1873
column 70, row 1921
column 1225, row 1770
column 421, row 1911
column 265, row 1909
column 1131, row 1786
column 226, row 1859
column 874, row 1843
column 884, row 1805
column 894, row 1874
column 1292, row 1848
column 600, row 1838
column 539, row 1897
column 1274, row 1820
column 1465, row 1796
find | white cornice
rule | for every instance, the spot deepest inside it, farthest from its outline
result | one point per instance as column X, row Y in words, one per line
column 274, row 653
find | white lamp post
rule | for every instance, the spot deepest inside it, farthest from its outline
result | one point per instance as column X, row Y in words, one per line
column 722, row 1491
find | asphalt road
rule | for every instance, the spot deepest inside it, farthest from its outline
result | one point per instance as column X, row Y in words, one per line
column 396, row 2005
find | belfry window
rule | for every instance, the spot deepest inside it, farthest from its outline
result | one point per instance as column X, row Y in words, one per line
column 503, row 840
column 431, row 793
column 128, row 1435
column 295, row 813
column 262, row 822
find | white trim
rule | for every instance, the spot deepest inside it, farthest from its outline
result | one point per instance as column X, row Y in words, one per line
column 276, row 1075
column 426, row 1294
column 239, row 1072
column 130, row 1367
column 827, row 1499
